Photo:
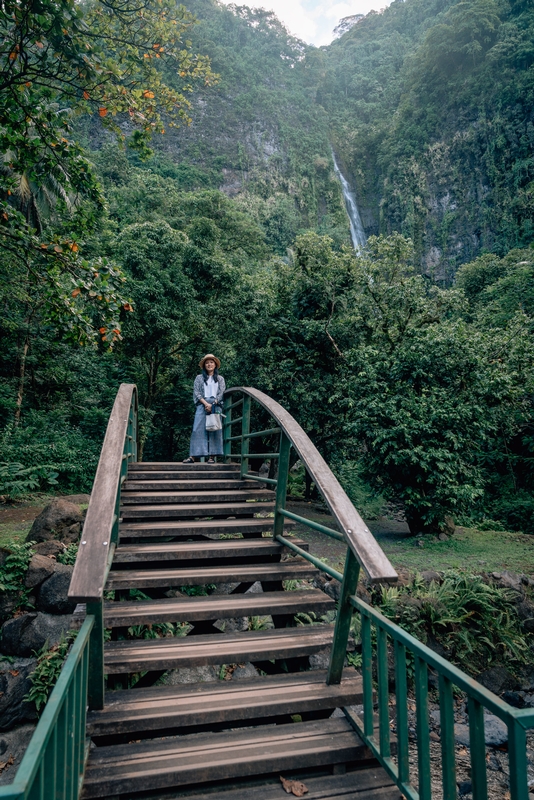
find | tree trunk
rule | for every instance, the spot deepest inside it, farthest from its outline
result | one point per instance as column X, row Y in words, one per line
column 22, row 372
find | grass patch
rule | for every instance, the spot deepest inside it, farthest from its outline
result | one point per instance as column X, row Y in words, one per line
column 469, row 551
column 13, row 533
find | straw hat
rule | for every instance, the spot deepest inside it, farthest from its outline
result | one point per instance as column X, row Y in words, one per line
column 209, row 355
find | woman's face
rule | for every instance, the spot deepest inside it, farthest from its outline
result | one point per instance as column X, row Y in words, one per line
column 209, row 366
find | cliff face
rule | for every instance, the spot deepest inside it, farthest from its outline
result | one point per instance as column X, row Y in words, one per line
column 427, row 104
column 431, row 107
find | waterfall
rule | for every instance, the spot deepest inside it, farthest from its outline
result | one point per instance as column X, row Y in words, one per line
column 357, row 233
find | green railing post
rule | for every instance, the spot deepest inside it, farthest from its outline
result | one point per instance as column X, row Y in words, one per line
column 423, row 731
column 477, row 745
column 351, row 574
column 95, row 685
column 448, row 763
column 367, row 676
column 245, row 429
column 281, row 484
column 227, row 430
column 401, row 702
column 517, row 755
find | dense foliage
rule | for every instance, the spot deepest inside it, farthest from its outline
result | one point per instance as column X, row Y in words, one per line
column 413, row 389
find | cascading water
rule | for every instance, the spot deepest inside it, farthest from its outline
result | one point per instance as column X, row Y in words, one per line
column 357, row 233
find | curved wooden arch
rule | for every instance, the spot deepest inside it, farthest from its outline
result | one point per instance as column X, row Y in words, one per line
column 357, row 535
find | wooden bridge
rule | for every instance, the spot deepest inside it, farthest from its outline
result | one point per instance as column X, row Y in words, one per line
column 155, row 535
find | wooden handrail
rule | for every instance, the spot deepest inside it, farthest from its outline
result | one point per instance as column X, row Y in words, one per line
column 356, row 533
column 92, row 563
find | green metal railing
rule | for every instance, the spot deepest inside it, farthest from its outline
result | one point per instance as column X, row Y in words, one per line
column 291, row 435
column 381, row 638
column 53, row 765
column 382, row 641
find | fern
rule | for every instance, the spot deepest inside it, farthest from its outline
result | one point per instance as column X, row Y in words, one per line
column 50, row 662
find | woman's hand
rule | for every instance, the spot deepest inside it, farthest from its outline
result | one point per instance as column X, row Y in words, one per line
column 207, row 406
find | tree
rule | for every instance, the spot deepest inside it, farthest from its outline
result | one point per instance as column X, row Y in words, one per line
column 60, row 58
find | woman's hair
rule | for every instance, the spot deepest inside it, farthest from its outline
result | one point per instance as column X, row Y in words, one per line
column 206, row 376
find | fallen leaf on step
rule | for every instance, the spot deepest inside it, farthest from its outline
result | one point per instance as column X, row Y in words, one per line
column 294, row 787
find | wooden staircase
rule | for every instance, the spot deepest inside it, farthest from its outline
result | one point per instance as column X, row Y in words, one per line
column 183, row 528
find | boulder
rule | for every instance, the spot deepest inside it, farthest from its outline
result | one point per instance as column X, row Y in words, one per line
column 205, row 674
column 510, row 580
column 14, row 744
column 525, row 610
column 497, row 679
column 242, row 671
column 40, row 568
column 52, row 597
column 60, row 520
column 333, row 589
column 495, row 732
column 52, row 548
column 25, row 635
column 14, row 685
column 429, row 576
column 9, row 601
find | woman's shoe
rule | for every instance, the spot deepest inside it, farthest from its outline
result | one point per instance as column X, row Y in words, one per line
column 189, row 460
column 211, row 461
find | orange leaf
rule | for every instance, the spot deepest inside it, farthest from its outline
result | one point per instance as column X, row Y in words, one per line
column 102, row 112
column 39, row 44
column 5, row 216
column 155, row 46
column 76, row 292
column 148, row 94
column 101, row 330
column 74, row 247
column 116, row 330
column 294, row 787
column 58, row 249
column 86, row 95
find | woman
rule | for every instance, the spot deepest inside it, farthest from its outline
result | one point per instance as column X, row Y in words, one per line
column 208, row 391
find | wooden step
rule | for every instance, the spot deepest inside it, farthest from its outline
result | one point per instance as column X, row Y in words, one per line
column 198, row 527
column 185, row 475
column 187, row 760
column 195, row 510
column 161, row 707
column 293, row 569
column 228, row 496
column 212, row 607
column 189, row 485
column 179, row 466
column 214, row 548
column 173, row 653
column 370, row 783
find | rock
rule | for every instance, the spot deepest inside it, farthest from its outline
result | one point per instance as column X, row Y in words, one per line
column 525, row 610
column 419, row 543
column 514, row 699
column 14, row 685
column 40, row 568
column 57, row 521
column 247, row 670
column 509, row 579
column 8, row 603
column 233, row 625
column 497, row 679
column 52, row 596
column 15, row 742
column 464, row 787
column 333, row 589
column 51, row 549
column 206, row 674
column 496, row 732
column 321, row 659
column 77, row 499
column 429, row 576
column 461, row 734
column 443, row 537
column 448, row 526
column 25, row 635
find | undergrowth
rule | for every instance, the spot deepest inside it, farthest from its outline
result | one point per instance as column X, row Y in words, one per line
column 49, row 664
column 474, row 622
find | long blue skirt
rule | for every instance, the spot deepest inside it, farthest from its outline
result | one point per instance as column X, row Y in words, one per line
column 203, row 442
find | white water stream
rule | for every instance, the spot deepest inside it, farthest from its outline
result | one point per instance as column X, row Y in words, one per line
column 357, row 233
